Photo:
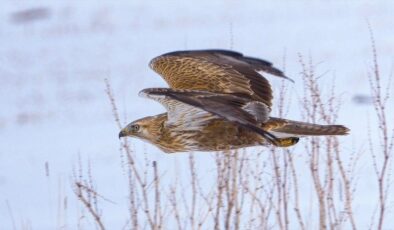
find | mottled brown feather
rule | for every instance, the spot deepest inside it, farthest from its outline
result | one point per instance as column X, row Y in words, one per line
column 231, row 136
column 226, row 106
column 218, row 71
column 303, row 128
column 217, row 101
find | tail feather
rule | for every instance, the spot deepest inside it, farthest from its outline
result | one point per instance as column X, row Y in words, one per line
column 303, row 128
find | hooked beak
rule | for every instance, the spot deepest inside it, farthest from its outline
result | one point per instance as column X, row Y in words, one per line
column 122, row 133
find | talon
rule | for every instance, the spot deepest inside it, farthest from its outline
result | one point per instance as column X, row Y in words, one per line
column 286, row 142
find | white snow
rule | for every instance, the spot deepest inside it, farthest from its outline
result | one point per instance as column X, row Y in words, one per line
column 52, row 93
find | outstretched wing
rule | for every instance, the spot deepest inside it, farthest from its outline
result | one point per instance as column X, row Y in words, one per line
column 183, row 103
column 218, row 71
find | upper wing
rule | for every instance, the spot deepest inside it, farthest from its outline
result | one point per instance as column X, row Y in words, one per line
column 229, row 107
column 218, row 71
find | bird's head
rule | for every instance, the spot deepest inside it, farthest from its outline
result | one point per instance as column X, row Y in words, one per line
column 147, row 128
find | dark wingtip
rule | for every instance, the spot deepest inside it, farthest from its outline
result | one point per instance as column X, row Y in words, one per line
column 276, row 72
column 287, row 78
column 265, row 66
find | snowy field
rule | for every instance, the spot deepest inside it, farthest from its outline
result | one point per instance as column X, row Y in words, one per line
column 55, row 109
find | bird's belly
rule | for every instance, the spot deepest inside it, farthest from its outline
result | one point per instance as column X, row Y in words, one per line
column 217, row 135
column 220, row 135
column 228, row 137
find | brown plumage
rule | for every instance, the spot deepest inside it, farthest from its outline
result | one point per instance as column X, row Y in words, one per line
column 218, row 100
column 218, row 71
column 302, row 128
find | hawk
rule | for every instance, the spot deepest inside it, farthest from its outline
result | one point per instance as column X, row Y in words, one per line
column 217, row 100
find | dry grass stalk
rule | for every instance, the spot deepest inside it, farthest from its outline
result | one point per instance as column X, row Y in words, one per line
column 324, row 171
column 255, row 190
column 86, row 193
column 381, row 97
column 193, row 177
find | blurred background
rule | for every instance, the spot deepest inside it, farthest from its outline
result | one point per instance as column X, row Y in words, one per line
column 55, row 55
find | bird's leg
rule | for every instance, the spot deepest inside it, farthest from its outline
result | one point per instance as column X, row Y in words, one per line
column 281, row 142
column 286, row 142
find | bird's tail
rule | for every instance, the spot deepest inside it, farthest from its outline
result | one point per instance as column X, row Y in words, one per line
column 303, row 128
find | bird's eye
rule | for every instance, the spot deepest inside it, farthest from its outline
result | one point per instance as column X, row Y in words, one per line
column 135, row 128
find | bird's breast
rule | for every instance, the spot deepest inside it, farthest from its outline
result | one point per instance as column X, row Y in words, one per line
column 217, row 135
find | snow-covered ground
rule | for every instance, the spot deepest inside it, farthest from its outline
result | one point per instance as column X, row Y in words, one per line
column 52, row 92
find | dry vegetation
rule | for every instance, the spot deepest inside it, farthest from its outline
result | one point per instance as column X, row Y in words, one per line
column 311, row 187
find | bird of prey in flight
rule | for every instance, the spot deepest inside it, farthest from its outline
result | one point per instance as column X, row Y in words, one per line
column 217, row 100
